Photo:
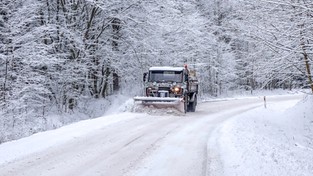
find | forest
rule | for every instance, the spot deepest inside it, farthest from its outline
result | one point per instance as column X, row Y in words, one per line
column 58, row 57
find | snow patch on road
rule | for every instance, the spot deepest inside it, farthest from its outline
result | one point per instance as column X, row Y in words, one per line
column 273, row 141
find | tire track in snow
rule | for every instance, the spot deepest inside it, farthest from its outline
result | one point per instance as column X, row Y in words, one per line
column 98, row 152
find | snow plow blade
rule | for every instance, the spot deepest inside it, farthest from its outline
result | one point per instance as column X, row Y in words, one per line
column 162, row 102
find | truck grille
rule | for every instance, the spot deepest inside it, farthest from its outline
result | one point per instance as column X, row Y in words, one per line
column 164, row 88
column 163, row 93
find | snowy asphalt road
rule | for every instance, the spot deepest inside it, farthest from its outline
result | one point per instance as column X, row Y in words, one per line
column 141, row 145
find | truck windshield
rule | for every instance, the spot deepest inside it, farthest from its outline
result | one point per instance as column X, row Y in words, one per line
column 166, row 76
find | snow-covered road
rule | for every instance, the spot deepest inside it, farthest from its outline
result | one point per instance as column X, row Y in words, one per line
column 129, row 144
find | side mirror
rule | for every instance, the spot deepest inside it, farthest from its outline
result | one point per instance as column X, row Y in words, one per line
column 145, row 77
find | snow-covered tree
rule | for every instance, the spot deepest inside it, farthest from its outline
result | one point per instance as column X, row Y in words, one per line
column 282, row 28
column 57, row 55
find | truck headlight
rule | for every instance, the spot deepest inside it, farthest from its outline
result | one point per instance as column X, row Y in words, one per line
column 176, row 90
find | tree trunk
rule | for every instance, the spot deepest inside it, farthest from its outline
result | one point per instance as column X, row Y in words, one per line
column 308, row 70
column 5, row 79
column 306, row 58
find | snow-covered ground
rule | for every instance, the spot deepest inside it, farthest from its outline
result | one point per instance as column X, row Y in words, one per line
column 228, row 137
column 273, row 141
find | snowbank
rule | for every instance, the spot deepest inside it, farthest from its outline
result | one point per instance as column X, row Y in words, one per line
column 273, row 141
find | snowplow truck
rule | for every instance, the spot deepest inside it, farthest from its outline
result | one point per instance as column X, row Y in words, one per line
column 170, row 87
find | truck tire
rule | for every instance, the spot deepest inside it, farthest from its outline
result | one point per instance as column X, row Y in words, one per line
column 192, row 105
column 186, row 107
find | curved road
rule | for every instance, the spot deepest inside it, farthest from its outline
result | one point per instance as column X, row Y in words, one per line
column 140, row 146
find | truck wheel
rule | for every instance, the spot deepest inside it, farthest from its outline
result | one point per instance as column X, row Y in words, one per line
column 192, row 105
column 186, row 104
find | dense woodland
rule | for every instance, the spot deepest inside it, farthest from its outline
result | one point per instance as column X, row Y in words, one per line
column 56, row 55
